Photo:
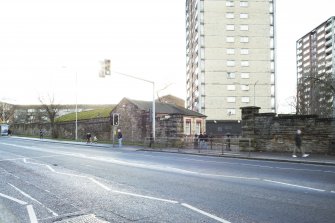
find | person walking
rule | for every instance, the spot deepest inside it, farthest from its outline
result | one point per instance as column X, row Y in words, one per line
column 88, row 137
column 119, row 137
column 195, row 141
column 228, row 142
column 41, row 133
column 201, row 141
column 298, row 142
column 205, row 140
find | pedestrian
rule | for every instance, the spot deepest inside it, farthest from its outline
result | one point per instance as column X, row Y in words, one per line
column 201, row 140
column 196, row 141
column 119, row 137
column 205, row 140
column 298, row 142
column 88, row 137
column 41, row 134
column 228, row 142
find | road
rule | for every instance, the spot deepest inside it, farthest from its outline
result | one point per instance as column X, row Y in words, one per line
column 49, row 182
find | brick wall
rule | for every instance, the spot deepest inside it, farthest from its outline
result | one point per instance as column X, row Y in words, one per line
column 276, row 133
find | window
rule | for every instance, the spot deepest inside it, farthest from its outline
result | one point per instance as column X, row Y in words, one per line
column 230, row 27
column 198, row 127
column 231, row 87
column 230, row 75
column 244, row 27
column 244, row 87
column 244, row 51
column 245, row 63
column 245, row 99
column 230, row 15
column 230, row 63
column 245, row 75
column 230, row 39
column 231, row 99
column 231, row 111
column 244, row 4
column 244, row 39
column 229, row 3
column 187, row 129
column 244, row 15
column 230, row 51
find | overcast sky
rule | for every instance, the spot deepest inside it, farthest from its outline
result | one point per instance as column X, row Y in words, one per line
column 45, row 44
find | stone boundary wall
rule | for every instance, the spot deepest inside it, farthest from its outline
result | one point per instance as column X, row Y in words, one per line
column 276, row 133
column 99, row 127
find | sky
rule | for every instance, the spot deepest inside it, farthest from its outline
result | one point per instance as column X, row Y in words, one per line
column 54, row 49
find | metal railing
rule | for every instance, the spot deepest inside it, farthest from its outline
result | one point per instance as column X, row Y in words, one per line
column 216, row 145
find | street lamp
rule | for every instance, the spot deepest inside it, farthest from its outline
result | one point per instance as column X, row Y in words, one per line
column 153, row 98
column 76, row 124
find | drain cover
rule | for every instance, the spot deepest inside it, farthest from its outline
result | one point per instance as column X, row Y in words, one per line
column 82, row 219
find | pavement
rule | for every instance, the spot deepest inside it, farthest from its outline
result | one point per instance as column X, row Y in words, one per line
column 317, row 159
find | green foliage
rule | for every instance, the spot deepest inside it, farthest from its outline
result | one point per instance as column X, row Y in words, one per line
column 91, row 114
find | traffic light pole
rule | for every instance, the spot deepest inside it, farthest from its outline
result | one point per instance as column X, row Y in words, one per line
column 113, row 133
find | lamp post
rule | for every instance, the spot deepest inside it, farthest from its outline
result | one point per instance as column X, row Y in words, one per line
column 153, row 100
column 76, row 123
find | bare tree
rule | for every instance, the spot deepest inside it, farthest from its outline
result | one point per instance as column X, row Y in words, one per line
column 167, row 85
column 51, row 109
column 6, row 112
column 315, row 95
column 292, row 102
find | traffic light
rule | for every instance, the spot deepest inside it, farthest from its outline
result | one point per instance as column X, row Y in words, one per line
column 107, row 67
column 116, row 118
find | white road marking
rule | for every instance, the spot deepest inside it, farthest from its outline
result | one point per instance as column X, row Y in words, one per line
column 100, row 184
column 204, row 213
column 13, row 199
column 33, row 199
column 144, row 196
column 294, row 185
column 254, row 165
column 31, row 213
column 68, row 174
column 164, row 168
column 150, row 166
column 30, row 209
column 36, row 157
column 332, row 192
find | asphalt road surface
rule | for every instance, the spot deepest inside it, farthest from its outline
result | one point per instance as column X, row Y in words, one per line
column 52, row 182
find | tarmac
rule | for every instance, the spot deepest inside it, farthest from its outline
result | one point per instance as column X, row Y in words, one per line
column 317, row 159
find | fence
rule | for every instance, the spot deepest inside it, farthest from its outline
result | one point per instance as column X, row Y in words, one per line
column 217, row 145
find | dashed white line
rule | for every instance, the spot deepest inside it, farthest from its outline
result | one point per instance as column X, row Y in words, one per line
column 30, row 209
column 144, row 196
column 100, row 184
column 31, row 213
column 33, row 199
column 204, row 213
column 294, row 185
column 13, row 199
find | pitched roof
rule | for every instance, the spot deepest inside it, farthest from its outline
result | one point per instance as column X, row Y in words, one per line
column 170, row 99
column 164, row 108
